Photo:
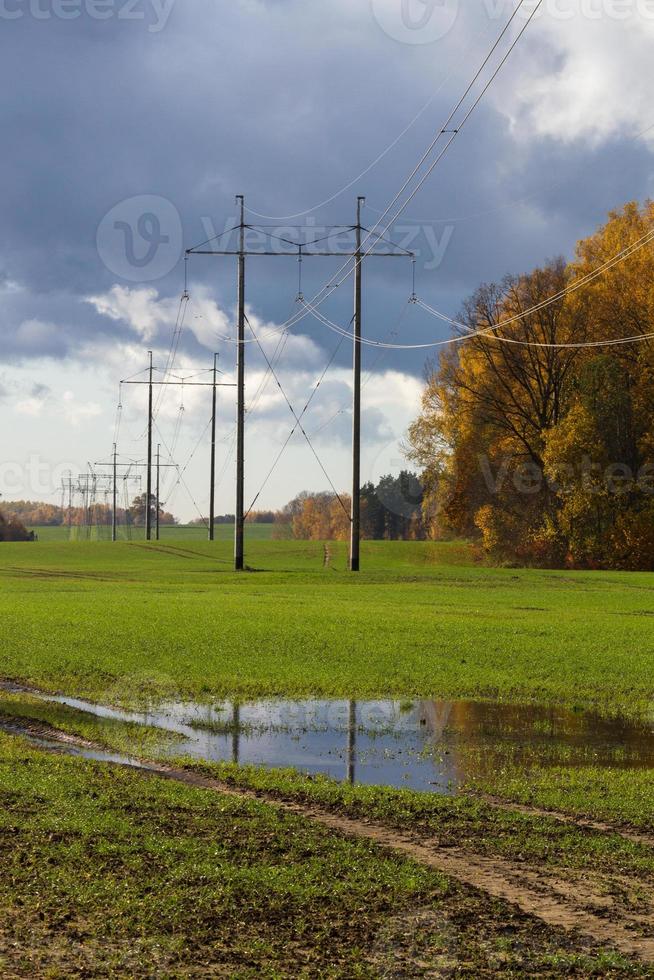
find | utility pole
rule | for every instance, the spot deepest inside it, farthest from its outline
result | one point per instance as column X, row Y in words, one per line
column 70, row 504
column 355, row 526
column 157, row 511
column 148, row 482
column 114, row 506
column 167, row 383
column 240, row 411
column 304, row 251
column 212, row 480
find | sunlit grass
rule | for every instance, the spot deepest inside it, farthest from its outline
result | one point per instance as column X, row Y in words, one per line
column 130, row 621
column 109, row 873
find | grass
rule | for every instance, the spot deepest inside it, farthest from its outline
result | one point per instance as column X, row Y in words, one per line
column 104, row 867
column 462, row 821
column 128, row 621
column 109, row 874
column 169, row 533
column 628, row 798
column 618, row 796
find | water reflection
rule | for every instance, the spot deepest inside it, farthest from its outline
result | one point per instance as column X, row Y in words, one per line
column 352, row 743
column 423, row 744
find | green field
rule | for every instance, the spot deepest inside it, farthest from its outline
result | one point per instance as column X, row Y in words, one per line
column 132, row 620
column 108, row 873
column 177, row 532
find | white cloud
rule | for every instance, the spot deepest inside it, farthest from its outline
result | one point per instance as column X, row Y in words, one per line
column 10, row 286
column 76, row 412
column 65, row 406
column 584, row 73
column 390, row 402
column 141, row 309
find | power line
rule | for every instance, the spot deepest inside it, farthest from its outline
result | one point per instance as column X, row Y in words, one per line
column 370, row 371
column 574, row 287
column 242, row 253
column 487, row 333
column 174, row 344
column 502, row 207
column 335, row 281
column 455, row 132
column 214, row 384
column 298, row 422
column 183, row 481
column 345, row 271
column 370, row 167
column 484, row 332
column 301, row 254
column 271, row 331
column 621, row 256
column 295, row 427
column 182, row 470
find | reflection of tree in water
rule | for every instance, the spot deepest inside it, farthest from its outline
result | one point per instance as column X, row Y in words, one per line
column 435, row 720
column 540, row 733
column 458, row 740
column 435, row 717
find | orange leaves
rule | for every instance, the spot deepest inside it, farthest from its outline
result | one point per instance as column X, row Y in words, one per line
column 542, row 452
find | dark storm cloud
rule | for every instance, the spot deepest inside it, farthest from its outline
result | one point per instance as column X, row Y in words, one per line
column 286, row 102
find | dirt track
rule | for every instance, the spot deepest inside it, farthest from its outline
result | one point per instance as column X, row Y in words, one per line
column 569, row 901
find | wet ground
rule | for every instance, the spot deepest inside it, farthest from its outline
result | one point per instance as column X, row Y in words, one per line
column 422, row 744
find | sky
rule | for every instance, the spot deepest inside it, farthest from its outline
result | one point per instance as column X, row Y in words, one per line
column 129, row 127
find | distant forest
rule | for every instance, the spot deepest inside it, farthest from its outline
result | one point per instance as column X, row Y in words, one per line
column 391, row 510
column 34, row 513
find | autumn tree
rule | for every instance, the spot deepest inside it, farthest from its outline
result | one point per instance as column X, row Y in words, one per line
column 390, row 509
column 138, row 511
column 539, row 448
column 487, row 407
column 11, row 529
column 321, row 517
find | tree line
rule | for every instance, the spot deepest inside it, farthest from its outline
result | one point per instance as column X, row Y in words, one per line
column 34, row 513
column 390, row 510
column 254, row 517
column 545, row 454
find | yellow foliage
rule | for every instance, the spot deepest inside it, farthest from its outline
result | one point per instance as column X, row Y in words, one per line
column 540, row 450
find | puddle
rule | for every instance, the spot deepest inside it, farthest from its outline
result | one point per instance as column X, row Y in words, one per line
column 70, row 748
column 422, row 744
column 94, row 754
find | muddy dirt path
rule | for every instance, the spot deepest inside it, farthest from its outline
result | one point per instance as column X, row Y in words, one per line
column 575, row 906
